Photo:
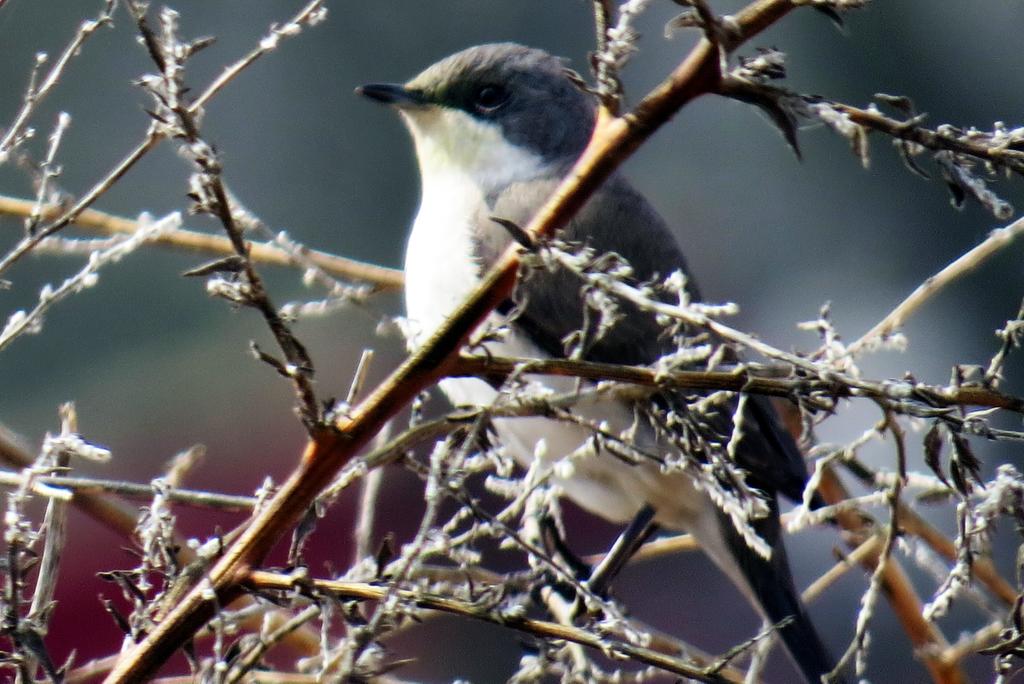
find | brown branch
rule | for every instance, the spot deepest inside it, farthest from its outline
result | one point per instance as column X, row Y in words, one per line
column 131, row 490
column 911, row 523
column 932, row 139
column 383, row 279
column 741, row 379
column 906, row 605
column 613, row 141
column 360, row 591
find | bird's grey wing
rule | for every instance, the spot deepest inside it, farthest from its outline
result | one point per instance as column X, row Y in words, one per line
column 549, row 307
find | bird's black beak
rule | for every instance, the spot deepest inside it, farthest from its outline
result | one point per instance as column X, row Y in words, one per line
column 391, row 94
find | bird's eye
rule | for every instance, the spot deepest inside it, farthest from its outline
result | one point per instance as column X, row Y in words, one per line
column 489, row 98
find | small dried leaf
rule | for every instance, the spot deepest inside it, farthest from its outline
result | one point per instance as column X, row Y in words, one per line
column 768, row 65
column 933, row 452
column 200, row 43
column 29, row 640
column 772, row 103
column 231, row 264
column 301, row 534
column 122, row 580
column 963, row 183
column 960, row 482
column 907, row 152
column 842, row 124
column 900, row 103
column 394, row 665
column 270, row 360
column 964, row 457
column 578, row 81
column 517, row 233
column 120, row 620
column 385, row 553
column 685, row 20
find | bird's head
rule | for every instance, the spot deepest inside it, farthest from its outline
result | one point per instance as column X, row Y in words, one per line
column 497, row 113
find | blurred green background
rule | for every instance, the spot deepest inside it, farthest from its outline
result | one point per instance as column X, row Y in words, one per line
column 154, row 365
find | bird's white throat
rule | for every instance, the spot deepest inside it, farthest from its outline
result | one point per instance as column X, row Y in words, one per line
column 450, row 141
column 463, row 161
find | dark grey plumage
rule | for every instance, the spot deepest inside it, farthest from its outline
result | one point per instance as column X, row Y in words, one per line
column 766, row 451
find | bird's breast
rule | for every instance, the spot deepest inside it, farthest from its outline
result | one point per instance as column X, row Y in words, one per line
column 441, row 267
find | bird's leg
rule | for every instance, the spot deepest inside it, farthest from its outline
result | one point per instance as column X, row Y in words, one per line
column 632, row 538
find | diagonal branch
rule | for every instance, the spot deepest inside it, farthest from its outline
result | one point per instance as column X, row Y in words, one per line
column 614, row 140
column 361, row 591
column 928, row 641
column 996, row 241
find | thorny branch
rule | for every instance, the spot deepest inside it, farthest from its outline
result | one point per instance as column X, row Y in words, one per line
column 614, row 140
column 819, row 393
column 179, row 120
column 260, row 580
column 309, row 14
column 956, row 153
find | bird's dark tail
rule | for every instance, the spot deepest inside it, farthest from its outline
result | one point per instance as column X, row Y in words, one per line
column 771, row 584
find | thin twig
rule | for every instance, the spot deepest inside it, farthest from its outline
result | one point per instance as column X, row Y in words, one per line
column 867, row 550
column 27, row 243
column 48, row 170
column 360, row 591
column 996, row 241
column 383, row 279
column 35, row 94
column 904, row 601
column 933, row 140
column 210, row 196
column 748, row 380
column 154, row 135
column 308, row 14
column 85, row 485
column 613, row 141
column 22, row 322
column 912, row 523
column 248, row 660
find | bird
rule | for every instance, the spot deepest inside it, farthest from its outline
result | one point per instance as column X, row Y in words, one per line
column 496, row 128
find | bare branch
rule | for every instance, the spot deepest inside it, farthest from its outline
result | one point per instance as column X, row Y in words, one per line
column 613, row 141
column 261, row 580
column 36, row 93
column 997, row 240
column 381, row 278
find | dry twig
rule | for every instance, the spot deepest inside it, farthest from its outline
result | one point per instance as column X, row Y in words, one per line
column 613, row 141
